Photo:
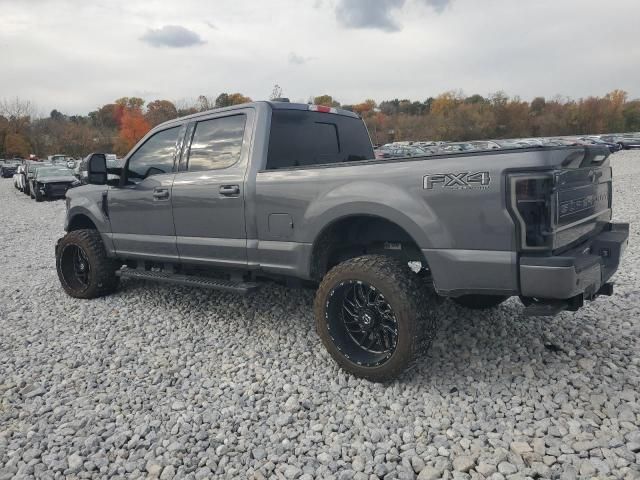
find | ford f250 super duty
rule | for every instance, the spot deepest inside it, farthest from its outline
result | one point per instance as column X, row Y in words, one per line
column 227, row 198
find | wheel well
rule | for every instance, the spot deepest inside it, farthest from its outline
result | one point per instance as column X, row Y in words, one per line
column 81, row 222
column 357, row 235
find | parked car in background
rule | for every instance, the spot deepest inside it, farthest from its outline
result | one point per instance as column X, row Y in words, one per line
column 8, row 168
column 17, row 177
column 401, row 151
column 80, row 170
column 485, row 145
column 58, row 159
column 509, row 143
column 626, row 141
column 613, row 147
column 458, row 147
column 52, row 182
column 30, row 167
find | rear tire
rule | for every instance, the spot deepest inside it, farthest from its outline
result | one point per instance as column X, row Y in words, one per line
column 479, row 302
column 83, row 267
column 393, row 311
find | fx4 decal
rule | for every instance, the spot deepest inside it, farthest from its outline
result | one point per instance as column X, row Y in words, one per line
column 457, row 181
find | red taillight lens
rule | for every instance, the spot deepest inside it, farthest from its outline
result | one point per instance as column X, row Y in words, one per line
column 322, row 109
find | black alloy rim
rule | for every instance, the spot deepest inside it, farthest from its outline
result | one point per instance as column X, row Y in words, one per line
column 76, row 268
column 362, row 323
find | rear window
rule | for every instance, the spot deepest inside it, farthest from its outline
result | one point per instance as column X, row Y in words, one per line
column 302, row 138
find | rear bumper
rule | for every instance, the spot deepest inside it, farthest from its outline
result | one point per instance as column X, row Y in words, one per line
column 582, row 271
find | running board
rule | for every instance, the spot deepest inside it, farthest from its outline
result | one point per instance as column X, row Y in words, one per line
column 189, row 280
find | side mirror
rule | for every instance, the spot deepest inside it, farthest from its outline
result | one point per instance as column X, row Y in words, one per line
column 97, row 169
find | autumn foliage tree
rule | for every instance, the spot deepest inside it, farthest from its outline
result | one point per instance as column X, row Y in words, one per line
column 133, row 126
column 16, row 145
column 160, row 111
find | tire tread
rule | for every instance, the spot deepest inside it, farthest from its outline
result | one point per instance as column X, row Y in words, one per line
column 406, row 287
column 104, row 268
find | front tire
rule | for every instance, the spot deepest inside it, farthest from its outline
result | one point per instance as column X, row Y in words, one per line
column 371, row 316
column 38, row 194
column 83, row 267
column 479, row 302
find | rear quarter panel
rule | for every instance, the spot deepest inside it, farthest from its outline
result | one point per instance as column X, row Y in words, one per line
column 453, row 224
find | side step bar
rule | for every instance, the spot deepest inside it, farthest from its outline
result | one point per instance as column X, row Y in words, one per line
column 189, row 280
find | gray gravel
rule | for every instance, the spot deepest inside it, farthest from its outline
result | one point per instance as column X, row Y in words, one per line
column 168, row 382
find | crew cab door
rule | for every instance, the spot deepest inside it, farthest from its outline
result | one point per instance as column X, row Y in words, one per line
column 140, row 209
column 209, row 190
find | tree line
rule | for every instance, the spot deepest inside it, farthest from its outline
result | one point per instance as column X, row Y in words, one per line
column 453, row 116
column 114, row 127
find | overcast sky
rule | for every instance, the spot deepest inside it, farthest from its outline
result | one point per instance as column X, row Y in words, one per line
column 76, row 55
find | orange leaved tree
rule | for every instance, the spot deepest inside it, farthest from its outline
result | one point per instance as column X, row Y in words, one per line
column 133, row 127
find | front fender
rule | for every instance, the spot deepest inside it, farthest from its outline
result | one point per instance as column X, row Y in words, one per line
column 87, row 201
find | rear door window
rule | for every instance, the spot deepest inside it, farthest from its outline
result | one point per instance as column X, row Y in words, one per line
column 217, row 143
column 302, row 138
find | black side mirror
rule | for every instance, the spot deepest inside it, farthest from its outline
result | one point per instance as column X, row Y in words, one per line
column 97, row 169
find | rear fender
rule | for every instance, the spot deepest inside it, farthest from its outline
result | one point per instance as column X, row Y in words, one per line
column 379, row 200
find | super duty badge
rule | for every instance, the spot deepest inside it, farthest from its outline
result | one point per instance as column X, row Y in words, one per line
column 457, row 181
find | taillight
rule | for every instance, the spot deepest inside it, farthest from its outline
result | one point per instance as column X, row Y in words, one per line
column 531, row 204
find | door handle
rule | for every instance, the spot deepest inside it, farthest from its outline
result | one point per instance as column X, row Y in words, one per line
column 230, row 190
column 160, row 193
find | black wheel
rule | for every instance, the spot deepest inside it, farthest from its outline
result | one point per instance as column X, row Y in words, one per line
column 372, row 317
column 38, row 194
column 479, row 302
column 83, row 267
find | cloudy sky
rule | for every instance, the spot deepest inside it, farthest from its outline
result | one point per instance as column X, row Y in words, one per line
column 76, row 55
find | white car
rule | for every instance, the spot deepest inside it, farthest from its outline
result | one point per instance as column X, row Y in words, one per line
column 18, row 178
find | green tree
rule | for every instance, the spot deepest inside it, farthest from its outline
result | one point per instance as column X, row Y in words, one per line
column 229, row 99
column 326, row 101
column 160, row 111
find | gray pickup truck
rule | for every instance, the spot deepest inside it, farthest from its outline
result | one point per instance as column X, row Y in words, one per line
column 292, row 193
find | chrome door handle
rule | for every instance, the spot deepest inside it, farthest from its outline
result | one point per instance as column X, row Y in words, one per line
column 160, row 193
column 229, row 190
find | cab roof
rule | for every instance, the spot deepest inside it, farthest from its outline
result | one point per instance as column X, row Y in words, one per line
column 275, row 105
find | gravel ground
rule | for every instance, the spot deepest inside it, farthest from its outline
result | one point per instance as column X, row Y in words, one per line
column 160, row 381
